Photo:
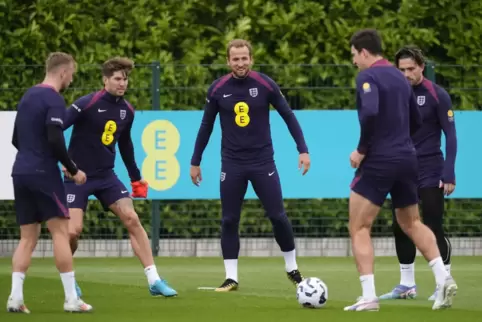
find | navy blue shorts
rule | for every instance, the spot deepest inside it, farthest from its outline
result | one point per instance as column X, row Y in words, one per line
column 106, row 189
column 430, row 171
column 374, row 181
column 39, row 197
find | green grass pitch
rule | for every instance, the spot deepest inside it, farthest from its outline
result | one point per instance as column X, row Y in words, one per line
column 116, row 287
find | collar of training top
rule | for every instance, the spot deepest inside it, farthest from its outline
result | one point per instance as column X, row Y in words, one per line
column 381, row 62
column 110, row 97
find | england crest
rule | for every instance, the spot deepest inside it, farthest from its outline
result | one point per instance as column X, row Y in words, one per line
column 223, row 176
column 420, row 100
column 253, row 92
column 70, row 198
column 123, row 114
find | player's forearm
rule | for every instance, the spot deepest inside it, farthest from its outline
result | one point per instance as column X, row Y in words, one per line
column 202, row 140
column 366, row 133
column 57, row 142
column 296, row 132
column 450, row 153
column 368, row 113
column 126, row 149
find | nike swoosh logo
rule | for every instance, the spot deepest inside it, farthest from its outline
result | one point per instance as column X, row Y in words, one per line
column 100, row 111
column 226, row 95
column 270, row 174
column 123, row 191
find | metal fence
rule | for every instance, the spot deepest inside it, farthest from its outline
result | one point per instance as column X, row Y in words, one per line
column 192, row 228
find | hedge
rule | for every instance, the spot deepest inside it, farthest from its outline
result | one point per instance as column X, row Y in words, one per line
column 302, row 44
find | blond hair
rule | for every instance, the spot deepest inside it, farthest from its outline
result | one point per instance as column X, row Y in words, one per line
column 57, row 59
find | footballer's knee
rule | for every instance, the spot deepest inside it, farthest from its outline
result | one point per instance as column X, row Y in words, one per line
column 29, row 244
column 437, row 231
column 277, row 216
column 359, row 221
column 408, row 218
column 29, row 235
column 124, row 209
column 74, row 232
column 230, row 221
column 435, row 223
column 131, row 220
column 75, row 223
column 397, row 229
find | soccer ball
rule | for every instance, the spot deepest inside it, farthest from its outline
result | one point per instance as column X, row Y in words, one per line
column 312, row 293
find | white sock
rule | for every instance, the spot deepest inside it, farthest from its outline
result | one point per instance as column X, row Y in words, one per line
column 151, row 273
column 439, row 271
column 231, row 267
column 68, row 281
column 17, row 286
column 290, row 260
column 368, row 286
column 407, row 274
column 448, row 268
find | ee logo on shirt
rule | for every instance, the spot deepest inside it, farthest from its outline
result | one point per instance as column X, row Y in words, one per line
column 109, row 130
column 161, row 140
column 242, row 119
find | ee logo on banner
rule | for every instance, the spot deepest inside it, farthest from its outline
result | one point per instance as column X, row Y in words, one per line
column 161, row 140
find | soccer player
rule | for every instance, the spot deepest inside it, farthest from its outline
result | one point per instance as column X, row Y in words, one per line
column 436, row 176
column 242, row 99
column 386, row 162
column 100, row 120
column 37, row 181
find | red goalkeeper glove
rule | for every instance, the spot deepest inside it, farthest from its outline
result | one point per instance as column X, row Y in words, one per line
column 139, row 189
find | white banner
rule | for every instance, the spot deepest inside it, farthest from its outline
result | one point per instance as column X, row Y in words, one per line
column 7, row 154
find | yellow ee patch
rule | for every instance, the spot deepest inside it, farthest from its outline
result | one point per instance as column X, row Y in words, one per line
column 366, row 88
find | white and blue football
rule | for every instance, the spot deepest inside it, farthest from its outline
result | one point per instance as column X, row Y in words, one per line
column 312, row 293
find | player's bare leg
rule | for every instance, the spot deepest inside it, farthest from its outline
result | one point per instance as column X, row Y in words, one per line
column 76, row 224
column 124, row 209
column 362, row 213
column 59, row 230
column 424, row 239
column 21, row 260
